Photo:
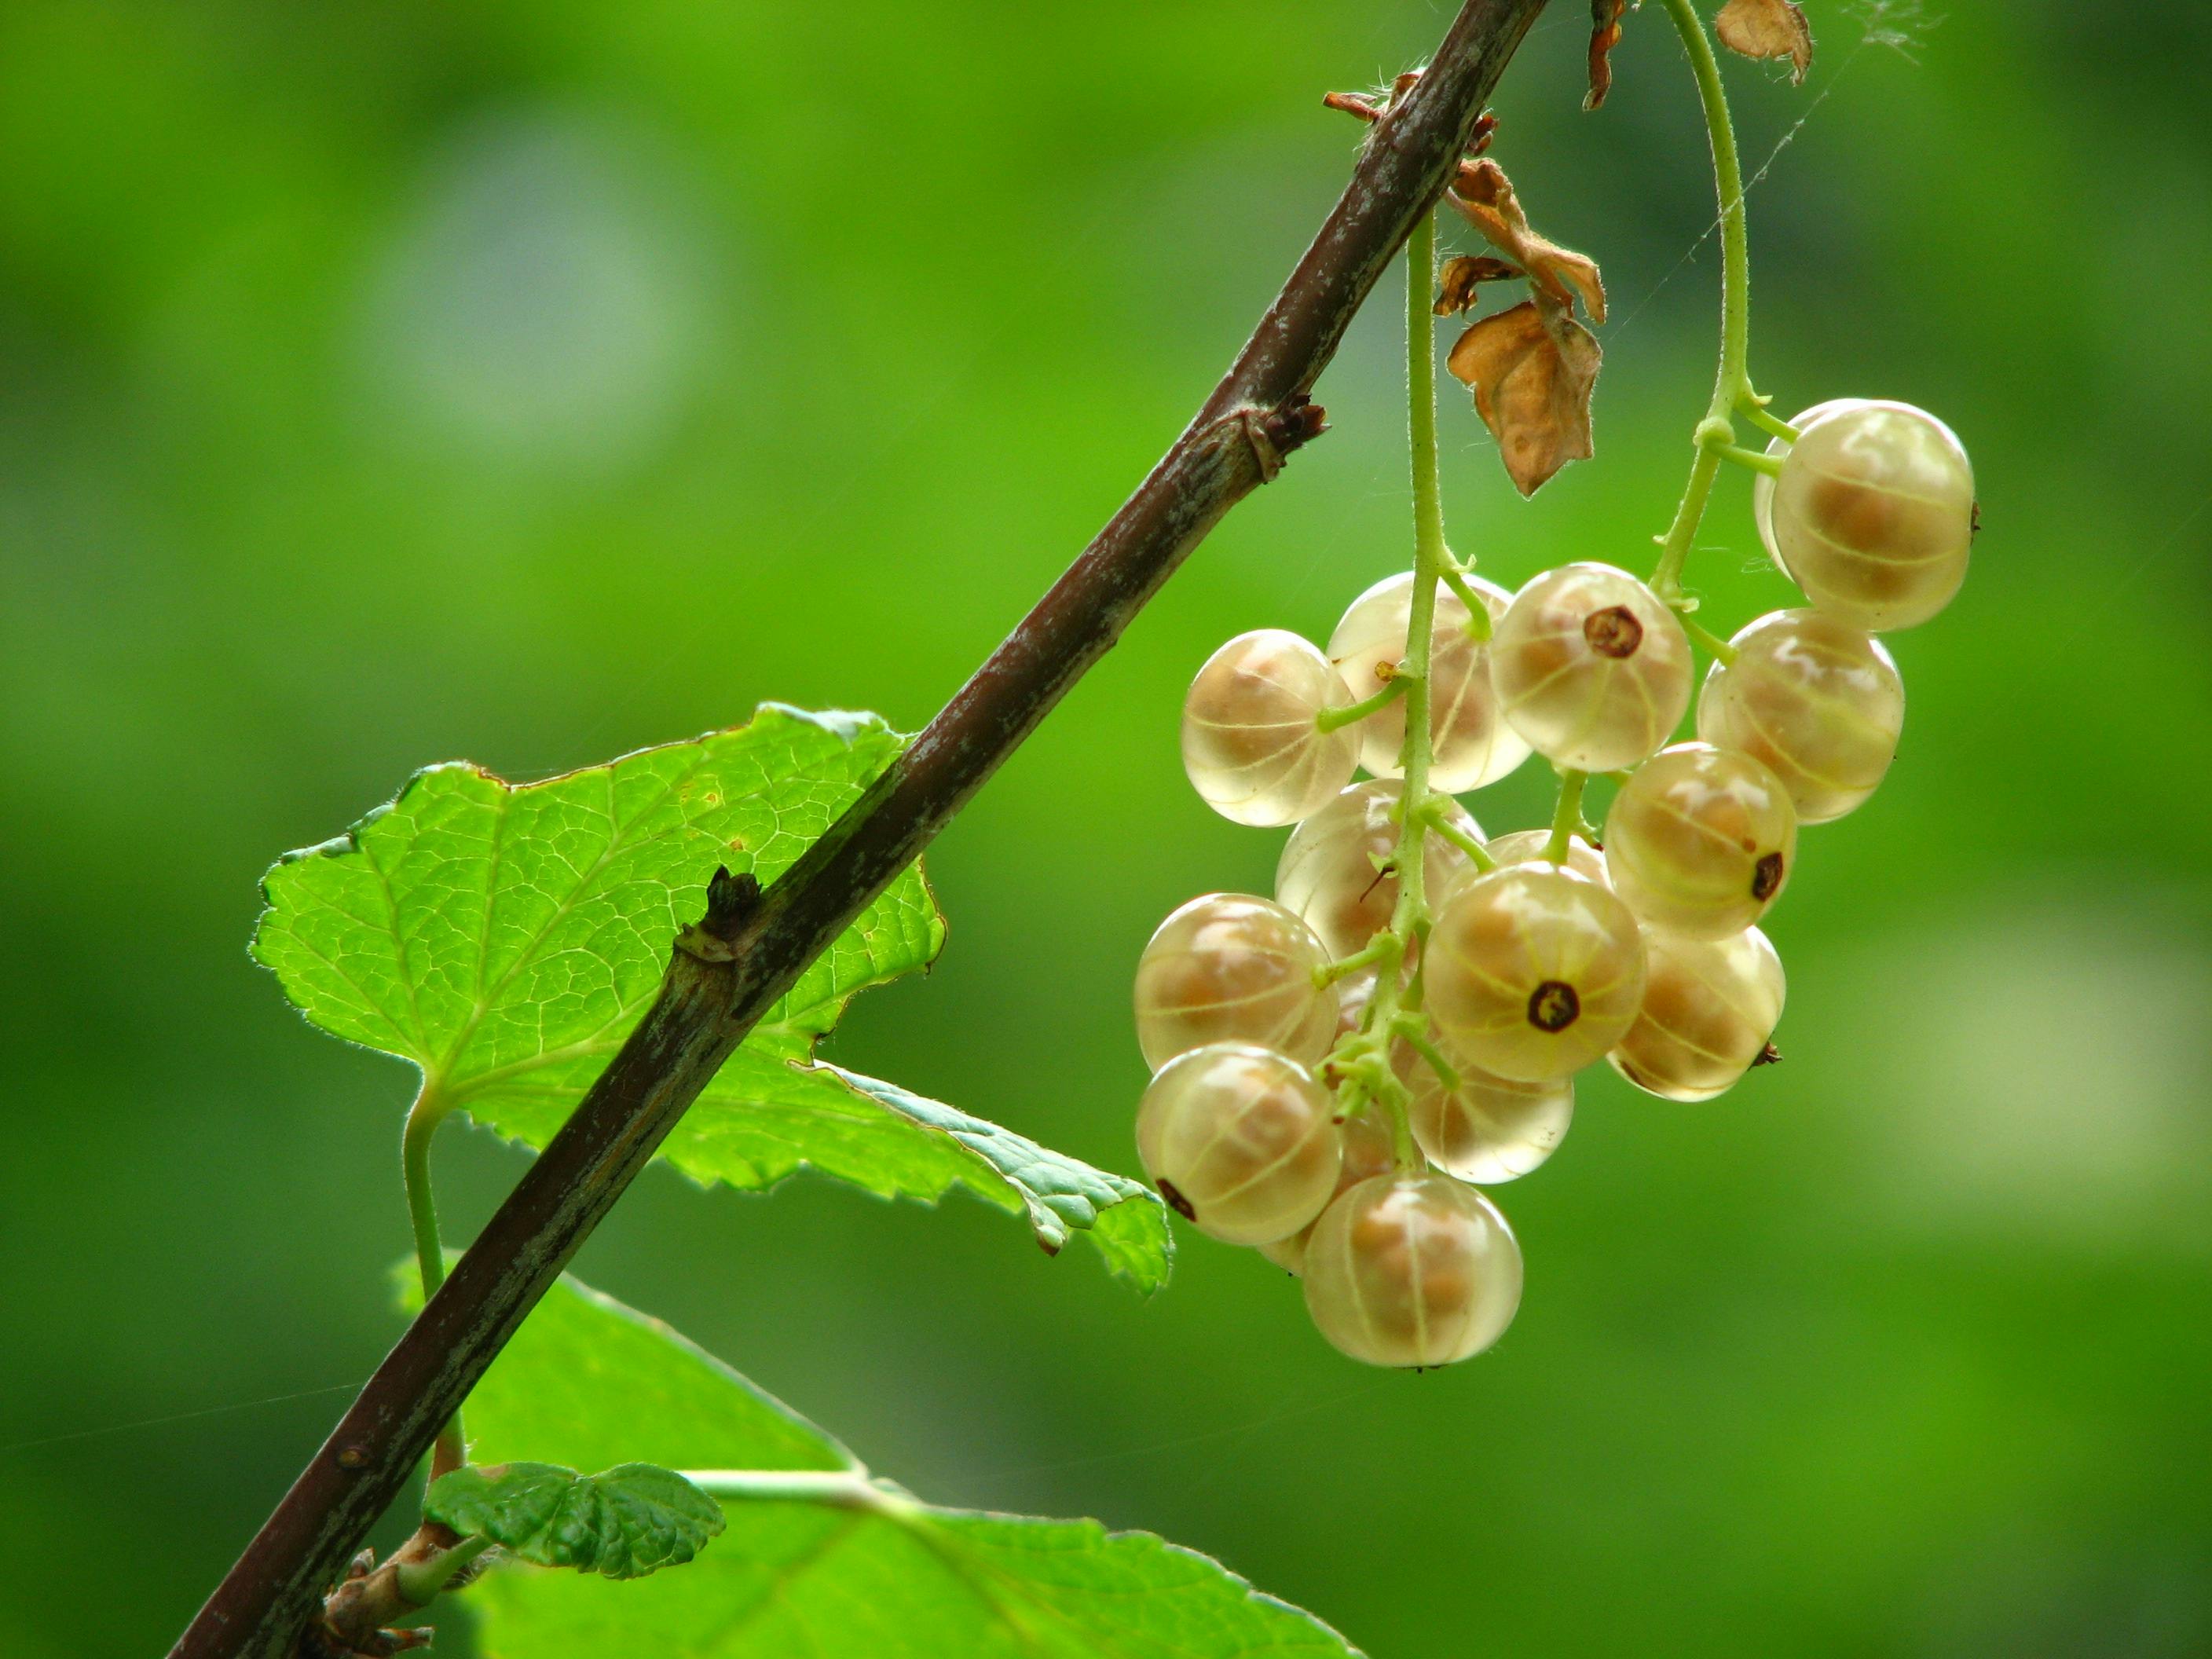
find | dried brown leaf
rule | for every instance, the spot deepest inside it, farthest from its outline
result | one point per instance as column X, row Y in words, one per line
column 1532, row 369
column 1462, row 276
column 1767, row 29
column 1605, row 35
column 1485, row 196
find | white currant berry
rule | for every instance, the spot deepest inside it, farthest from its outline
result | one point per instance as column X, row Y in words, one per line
column 1368, row 1152
column 1700, row 840
column 1240, row 1142
column 1250, row 742
column 1524, row 846
column 1873, row 515
column 1229, row 967
column 1762, row 484
column 1590, row 668
column 1816, row 701
column 1412, row 1270
column 1469, row 744
column 1327, row 875
column 1533, row 972
column 1709, row 1006
column 1486, row 1129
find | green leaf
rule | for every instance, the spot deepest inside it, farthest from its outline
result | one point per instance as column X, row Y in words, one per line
column 632, row 1520
column 839, row 1564
column 506, row 938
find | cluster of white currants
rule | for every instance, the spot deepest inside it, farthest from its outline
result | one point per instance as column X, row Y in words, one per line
column 1535, row 953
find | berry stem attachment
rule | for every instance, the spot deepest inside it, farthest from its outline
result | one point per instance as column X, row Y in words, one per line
column 1732, row 387
column 1715, row 646
column 1757, row 459
column 423, row 1118
column 1370, row 955
column 1478, row 612
column 1433, row 1057
column 1332, row 719
column 1755, row 410
column 1441, row 825
column 1567, row 816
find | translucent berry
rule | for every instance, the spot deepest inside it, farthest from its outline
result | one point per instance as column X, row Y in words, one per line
column 1533, row 972
column 1874, row 514
column 1249, row 740
column 1470, row 745
column 1700, row 840
column 1762, row 484
column 1367, row 1153
column 1522, row 846
column 1326, row 873
column 1238, row 1139
column 1229, row 968
column 1708, row 1008
column 1590, row 668
column 1487, row 1129
column 1817, row 702
column 1412, row 1270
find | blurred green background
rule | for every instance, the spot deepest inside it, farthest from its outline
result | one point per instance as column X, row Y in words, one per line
column 384, row 385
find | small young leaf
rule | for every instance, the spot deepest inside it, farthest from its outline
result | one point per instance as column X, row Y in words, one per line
column 506, row 938
column 1486, row 196
column 861, row 1570
column 1605, row 35
column 1532, row 369
column 1767, row 29
column 1460, row 282
column 632, row 1520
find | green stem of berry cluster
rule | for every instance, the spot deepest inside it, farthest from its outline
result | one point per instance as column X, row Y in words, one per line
column 1567, row 816
column 1733, row 394
column 423, row 1120
column 1362, row 1061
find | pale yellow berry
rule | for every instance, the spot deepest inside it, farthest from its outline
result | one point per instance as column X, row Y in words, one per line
column 1873, row 515
column 1762, row 485
column 1701, row 841
column 1590, row 668
column 1328, row 871
column 1250, row 740
column 1817, row 702
column 1482, row 1128
column 1412, row 1270
column 1240, row 1142
column 1229, row 967
column 1521, row 846
column 1368, row 1152
column 1709, row 1006
column 1470, row 745
column 1533, row 972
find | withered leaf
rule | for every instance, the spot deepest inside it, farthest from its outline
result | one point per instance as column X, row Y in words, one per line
column 1461, row 276
column 1532, row 369
column 1767, row 29
column 1485, row 196
column 1605, row 35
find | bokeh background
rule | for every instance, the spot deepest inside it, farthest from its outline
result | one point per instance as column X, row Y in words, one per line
column 385, row 385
